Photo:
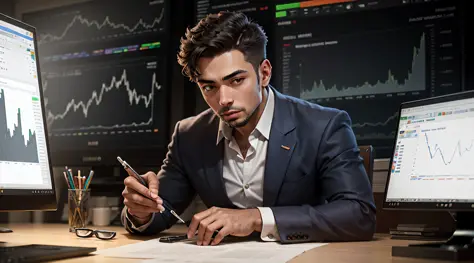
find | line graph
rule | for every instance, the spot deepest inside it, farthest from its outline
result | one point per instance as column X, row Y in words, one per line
column 133, row 98
column 374, row 121
column 17, row 136
column 445, row 149
column 125, row 96
column 415, row 81
column 80, row 20
column 95, row 25
column 376, row 124
column 459, row 151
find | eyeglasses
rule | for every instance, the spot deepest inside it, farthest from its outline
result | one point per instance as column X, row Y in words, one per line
column 100, row 234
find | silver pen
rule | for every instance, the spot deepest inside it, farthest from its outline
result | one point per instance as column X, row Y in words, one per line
column 133, row 173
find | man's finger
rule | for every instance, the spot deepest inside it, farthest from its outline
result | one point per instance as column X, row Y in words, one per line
column 196, row 220
column 138, row 208
column 152, row 181
column 135, row 197
column 203, row 227
column 133, row 183
column 225, row 231
column 210, row 230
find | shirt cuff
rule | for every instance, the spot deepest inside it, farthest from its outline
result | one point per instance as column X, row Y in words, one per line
column 269, row 228
column 142, row 227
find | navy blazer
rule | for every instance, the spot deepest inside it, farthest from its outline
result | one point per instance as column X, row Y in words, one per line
column 318, row 190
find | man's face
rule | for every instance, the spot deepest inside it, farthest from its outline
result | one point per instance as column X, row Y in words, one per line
column 231, row 87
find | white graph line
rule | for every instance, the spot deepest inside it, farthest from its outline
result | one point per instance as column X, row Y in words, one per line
column 46, row 38
column 45, row 87
column 370, row 124
column 96, row 99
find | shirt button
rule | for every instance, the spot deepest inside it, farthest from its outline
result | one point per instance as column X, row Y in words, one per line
column 246, row 186
column 270, row 236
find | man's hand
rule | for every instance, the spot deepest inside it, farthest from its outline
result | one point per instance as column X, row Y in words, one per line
column 140, row 200
column 236, row 222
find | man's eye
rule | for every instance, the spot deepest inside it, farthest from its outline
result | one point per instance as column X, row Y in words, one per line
column 207, row 88
column 237, row 81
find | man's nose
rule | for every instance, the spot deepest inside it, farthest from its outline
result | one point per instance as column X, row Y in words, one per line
column 225, row 96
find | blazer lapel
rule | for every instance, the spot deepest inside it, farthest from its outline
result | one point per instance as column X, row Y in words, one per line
column 280, row 148
column 212, row 159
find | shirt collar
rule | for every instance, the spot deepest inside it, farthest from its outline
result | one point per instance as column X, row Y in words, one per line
column 263, row 126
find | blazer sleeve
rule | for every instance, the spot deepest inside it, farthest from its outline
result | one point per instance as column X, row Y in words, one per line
column 349, row 211
column 174, row 188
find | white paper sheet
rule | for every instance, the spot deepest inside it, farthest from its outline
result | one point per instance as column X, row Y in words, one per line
column 229, row 252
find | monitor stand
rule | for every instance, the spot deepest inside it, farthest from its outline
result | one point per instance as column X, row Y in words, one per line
column 5, row 230
column 459, row 247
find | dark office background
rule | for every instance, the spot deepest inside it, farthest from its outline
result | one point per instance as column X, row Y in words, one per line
column 373, row 114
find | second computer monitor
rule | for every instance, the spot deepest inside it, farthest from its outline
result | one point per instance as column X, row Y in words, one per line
column 431, row 165
column 26, row 181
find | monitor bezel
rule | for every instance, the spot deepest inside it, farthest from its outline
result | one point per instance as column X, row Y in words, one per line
column 33, row 202
column 426, row 206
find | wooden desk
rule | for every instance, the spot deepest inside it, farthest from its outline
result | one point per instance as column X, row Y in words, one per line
column 376, row 251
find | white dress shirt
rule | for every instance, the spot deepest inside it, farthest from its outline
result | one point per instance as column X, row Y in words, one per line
column 243, row 177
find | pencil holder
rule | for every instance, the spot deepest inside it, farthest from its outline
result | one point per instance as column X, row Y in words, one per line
column 78, row 208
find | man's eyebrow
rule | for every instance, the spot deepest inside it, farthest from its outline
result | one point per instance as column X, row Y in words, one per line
column 205, row 81
column 233, row 74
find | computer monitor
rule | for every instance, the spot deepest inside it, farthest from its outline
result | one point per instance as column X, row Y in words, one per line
column 106, row 81
column 366, row 57
column 26, row 179
column 431, row 164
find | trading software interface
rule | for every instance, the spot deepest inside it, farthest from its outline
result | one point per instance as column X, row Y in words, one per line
column 366, row 57
column 104, row 73
column 24, row 163
column 433, row 155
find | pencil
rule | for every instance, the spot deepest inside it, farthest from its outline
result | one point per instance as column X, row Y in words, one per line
column 79, row 180
column 70, row 179
column 88, row 181
column 67, row 181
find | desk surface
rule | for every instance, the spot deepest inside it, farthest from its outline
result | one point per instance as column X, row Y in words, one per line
column 377, row 251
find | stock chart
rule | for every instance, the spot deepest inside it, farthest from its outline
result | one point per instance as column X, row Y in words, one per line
column 390, row 52
column 17, row 127
column 104, row 73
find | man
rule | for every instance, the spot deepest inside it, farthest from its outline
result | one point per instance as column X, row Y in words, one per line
column 262, row 161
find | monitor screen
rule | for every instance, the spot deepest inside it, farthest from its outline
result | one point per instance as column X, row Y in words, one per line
column 367, row 57
column 105, row 79
column 25, row 168
column 433, row 154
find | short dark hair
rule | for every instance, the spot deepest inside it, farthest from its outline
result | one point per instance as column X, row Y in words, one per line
column 219, row 33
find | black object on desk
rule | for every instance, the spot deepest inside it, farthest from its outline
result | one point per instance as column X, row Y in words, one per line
column 459, row 247
column 419, row 232
column 40, row 253
column 172, row 239
column 5, row 230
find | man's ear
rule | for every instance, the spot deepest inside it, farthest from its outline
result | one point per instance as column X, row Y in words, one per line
column 265, row 72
